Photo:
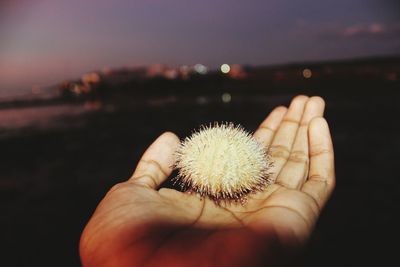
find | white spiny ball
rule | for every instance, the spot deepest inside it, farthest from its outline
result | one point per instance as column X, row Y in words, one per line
column 223, row 162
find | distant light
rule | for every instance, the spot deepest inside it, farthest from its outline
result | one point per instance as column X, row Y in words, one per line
column 376, row 28
column 200, row 68
column 226, row 97
column 391, row 76
column 201, row 100
column 225, row 68
column 184, row 68
column 307, row 73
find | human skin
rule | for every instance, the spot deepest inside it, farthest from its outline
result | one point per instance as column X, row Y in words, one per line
column 139, row 224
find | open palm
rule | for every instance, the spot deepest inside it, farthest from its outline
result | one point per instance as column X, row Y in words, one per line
column 140, row 224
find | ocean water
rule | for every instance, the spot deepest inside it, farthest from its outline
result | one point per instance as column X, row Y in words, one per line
column 57, row 162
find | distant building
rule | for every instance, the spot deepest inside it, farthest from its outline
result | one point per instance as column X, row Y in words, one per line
column 90, row 78
column 107, row 70
column 156, row 70
column 171, row 74
column 74, row 89
column 184, row 72
column 237, row 72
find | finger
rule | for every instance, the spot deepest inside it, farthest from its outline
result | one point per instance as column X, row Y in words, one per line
column 295, row 171
column 268, row 127
column 283, row 140
column 321, row 178
column 156, row 163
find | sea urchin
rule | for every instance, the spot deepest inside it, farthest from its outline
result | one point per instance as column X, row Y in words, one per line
column 222, row 162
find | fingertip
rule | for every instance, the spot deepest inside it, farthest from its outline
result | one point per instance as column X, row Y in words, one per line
column 300, row 97
column 157, row 161
column 280, row 109
column 170, row 138
column 317, row 103
column 162, row 150
column 317, row 99
column 314, row 108
column 267, row 128
column 298, row 102
column 278, row 113
column 296, row 108
column 274, row 118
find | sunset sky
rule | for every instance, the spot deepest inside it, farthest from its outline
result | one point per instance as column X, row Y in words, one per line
column 45, row 41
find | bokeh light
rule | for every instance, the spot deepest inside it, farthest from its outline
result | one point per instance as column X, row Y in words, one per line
column 307, row 73
column 200, row 68
column 226, row 97
column 225, row 68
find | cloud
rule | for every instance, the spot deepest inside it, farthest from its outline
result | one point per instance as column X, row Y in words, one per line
column 373, row 30
column 364, row 30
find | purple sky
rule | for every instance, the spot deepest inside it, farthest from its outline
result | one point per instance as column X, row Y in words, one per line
column 46, row 41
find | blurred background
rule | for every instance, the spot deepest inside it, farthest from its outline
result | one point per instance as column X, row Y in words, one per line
column 86, row 86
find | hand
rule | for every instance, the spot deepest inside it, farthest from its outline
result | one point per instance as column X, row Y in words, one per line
column 138, row 224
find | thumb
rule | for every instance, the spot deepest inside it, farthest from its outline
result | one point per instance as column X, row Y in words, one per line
column 156, row 163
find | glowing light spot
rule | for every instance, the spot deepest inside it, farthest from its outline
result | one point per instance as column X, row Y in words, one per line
column 201, row 100
column 225, row 68
column 307, row 73
column 200, row 68
column 226, row 97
